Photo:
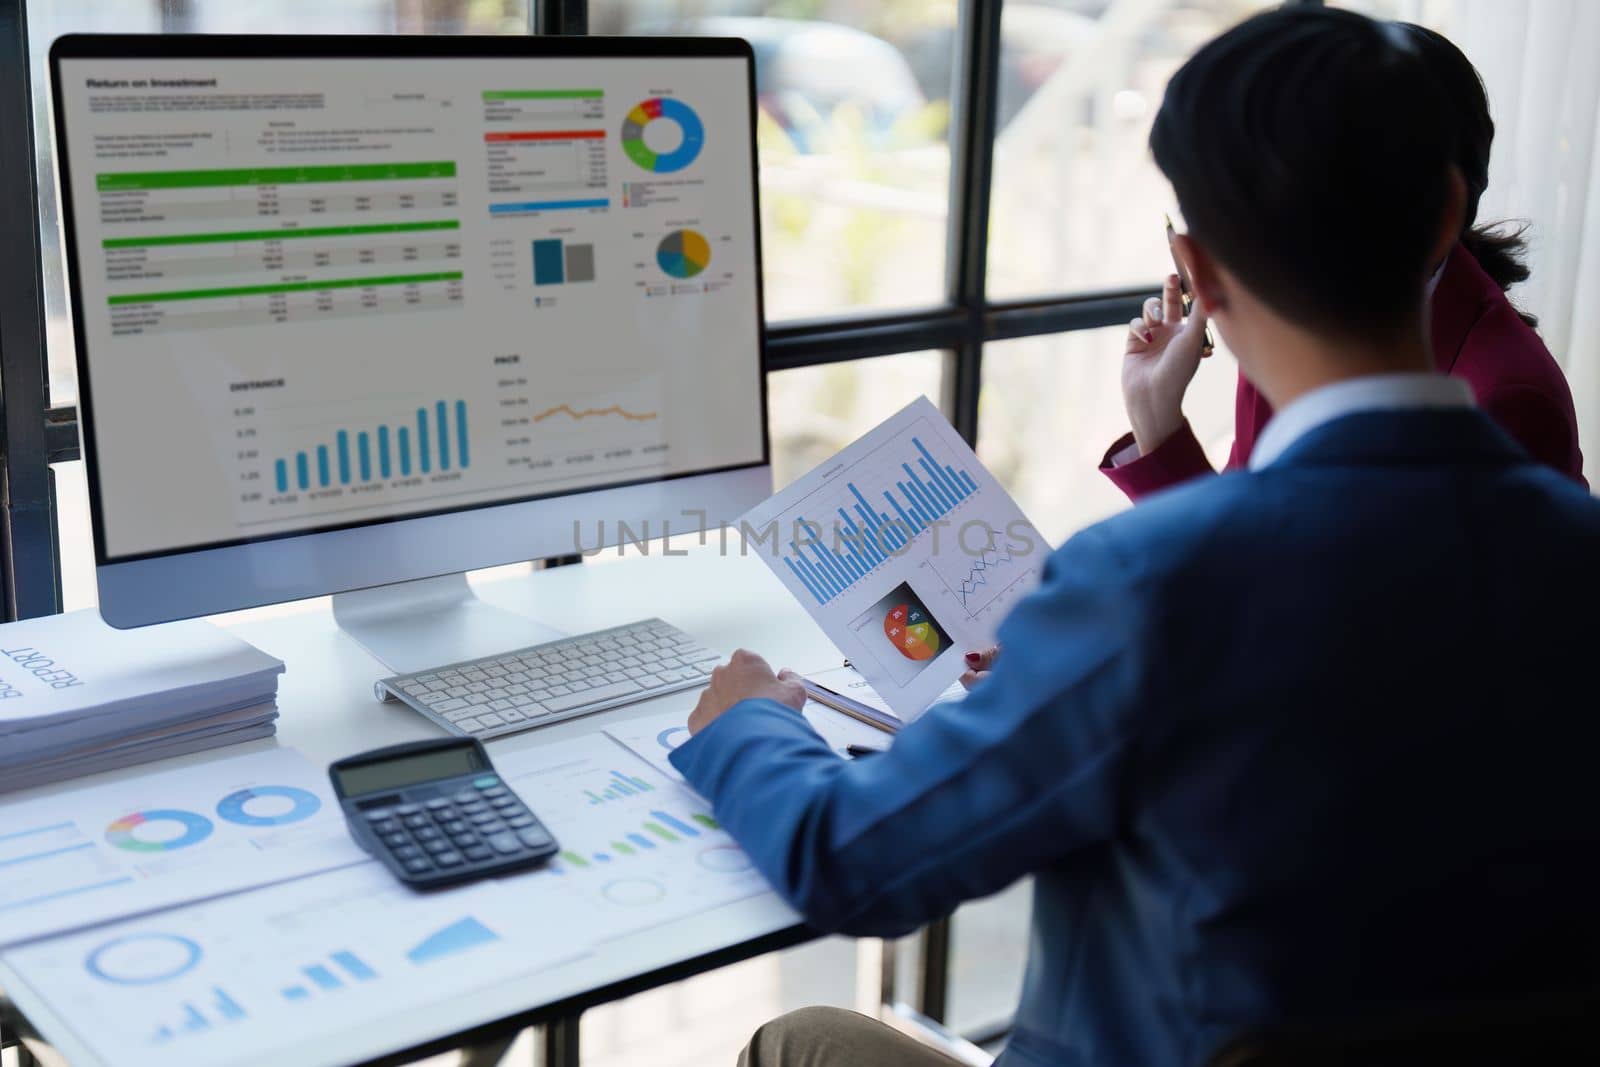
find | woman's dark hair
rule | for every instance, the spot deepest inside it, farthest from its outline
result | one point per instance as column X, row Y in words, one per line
column 1501, row 252
column 1292, row 131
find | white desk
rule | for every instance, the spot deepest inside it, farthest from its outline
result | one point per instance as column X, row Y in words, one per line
column 328, row 711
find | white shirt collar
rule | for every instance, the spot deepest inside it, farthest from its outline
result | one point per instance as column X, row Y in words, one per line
column 1433, row 279
column 1377, row 392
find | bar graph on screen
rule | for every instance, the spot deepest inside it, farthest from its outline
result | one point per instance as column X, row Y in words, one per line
column 437, row 439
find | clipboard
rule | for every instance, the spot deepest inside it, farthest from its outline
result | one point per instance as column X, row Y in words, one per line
column 830, row 698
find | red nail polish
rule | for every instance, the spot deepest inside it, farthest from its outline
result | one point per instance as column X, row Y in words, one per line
column 974, row 659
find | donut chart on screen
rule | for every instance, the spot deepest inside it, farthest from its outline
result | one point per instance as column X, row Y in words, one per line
column 663, row 109
column 683, row 253
column 303, row 805
column 196, row 828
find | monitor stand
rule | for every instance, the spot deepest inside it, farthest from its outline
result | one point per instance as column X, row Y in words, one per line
column 413, row 626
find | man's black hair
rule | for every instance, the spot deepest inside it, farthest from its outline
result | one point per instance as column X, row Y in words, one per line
column 1310, row 150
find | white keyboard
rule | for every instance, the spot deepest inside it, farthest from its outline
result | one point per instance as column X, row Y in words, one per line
column 562, row 679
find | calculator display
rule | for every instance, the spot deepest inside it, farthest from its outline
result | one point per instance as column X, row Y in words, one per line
column 409, row 770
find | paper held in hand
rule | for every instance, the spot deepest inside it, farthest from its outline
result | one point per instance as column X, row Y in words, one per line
column 906, row 551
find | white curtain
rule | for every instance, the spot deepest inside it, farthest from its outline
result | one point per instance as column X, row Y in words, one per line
column 1539, row 61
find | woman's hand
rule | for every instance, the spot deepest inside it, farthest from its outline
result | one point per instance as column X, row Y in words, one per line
column 1162, row 355
column 979, row 664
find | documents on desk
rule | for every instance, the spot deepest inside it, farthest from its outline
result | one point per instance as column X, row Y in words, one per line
column 85, row 855
column 638, row 849
column 77, row 696
column 236, row 977
column 905, row 550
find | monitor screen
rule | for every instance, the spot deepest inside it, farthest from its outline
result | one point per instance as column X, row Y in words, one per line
column 315, row 292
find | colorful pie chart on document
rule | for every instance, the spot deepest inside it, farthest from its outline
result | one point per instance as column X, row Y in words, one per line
column 191, row 830
column 683, row 253
column 908, row 629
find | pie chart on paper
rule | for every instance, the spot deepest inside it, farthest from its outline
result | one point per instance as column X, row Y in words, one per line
column 907, row 627
column 683, row 253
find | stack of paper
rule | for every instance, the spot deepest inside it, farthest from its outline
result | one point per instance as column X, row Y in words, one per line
column 78, row 697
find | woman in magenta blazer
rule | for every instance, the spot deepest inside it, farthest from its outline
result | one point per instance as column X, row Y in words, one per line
column 1478, row 336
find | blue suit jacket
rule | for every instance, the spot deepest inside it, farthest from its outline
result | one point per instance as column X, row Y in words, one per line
column 1317, row 740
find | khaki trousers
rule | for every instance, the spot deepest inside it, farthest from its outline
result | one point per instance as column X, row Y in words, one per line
column 833, row 1037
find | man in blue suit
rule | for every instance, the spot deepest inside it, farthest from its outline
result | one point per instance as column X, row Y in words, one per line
column 1315, row 739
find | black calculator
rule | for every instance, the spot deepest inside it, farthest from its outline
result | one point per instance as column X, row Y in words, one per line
column 436, row 813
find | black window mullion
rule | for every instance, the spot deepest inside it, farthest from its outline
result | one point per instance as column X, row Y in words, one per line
column 31, row 563
column 1028, row 318
column 967, row 245
column 560, row 17
column 805, row 344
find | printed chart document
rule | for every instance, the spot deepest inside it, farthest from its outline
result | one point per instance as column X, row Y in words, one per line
column 237, row 979
column 637, row 849
column 125, row 848
column 654, row 737
column 905, row 550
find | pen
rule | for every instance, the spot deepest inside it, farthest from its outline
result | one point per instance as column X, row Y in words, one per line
column 854, row 751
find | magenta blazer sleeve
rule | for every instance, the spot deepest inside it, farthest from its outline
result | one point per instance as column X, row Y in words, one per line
column 1176, row 460
column 1180, row 457
column 1477, row 337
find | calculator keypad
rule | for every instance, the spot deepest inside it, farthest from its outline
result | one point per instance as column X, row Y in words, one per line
column 484, row 823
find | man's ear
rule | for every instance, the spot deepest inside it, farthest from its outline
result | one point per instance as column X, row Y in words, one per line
column 1205, row 278
column 1452, row 219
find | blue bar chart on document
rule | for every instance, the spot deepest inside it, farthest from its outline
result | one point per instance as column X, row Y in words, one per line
column 906, row 551
column 637, row 846
column 238, row 977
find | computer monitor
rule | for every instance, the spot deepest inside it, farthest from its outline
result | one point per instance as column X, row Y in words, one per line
column 354, row 311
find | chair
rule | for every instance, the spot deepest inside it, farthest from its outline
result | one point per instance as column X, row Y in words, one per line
column 1549, row 1030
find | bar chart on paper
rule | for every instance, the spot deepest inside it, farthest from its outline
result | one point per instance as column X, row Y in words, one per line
column 882, row 509
column 634, row 842
column 658, row 829
column 622, row 785
column 905, row 550
column 234, row 978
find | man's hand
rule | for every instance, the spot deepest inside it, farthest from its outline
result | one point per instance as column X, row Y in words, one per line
column 745, row 677
column 1160, row 360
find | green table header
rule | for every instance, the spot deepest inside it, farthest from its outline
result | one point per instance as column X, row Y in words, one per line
column 285, row 287
column 196, row 179
column 277, row 235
